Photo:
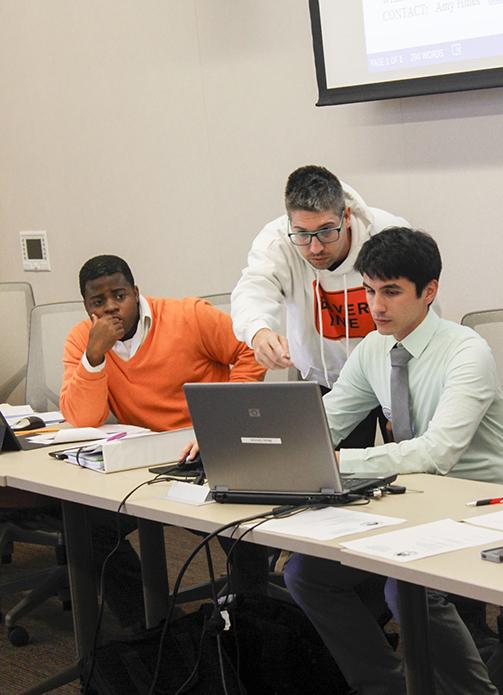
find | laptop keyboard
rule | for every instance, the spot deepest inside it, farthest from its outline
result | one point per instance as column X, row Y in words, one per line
column 349, row 483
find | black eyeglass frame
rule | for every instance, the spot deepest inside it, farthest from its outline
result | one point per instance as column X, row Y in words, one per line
column 310, row 235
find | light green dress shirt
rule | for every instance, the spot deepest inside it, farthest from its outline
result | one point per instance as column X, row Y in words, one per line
column 457, row 404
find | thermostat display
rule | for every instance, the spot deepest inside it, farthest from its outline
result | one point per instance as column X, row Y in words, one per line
column 34, row 251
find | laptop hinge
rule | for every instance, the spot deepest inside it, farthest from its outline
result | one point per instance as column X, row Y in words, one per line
column 327, row 491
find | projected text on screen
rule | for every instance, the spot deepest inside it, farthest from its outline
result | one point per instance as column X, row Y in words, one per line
column 405, row 34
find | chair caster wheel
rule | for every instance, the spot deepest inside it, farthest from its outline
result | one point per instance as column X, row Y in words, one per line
column 18, row 636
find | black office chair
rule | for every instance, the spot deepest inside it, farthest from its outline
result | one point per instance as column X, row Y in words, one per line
column 28, row 519
column 21, row 514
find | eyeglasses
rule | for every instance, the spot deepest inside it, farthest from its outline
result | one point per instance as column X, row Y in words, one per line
column 324, row 236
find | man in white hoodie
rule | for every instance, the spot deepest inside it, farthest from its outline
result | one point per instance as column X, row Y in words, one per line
column 303, row 261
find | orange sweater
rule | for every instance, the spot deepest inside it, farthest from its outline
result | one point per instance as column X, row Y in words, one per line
column 188, row 340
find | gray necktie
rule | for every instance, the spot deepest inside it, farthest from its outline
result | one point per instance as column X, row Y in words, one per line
column 400, row 398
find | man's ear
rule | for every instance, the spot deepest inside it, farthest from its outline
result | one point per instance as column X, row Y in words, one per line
column 430, row 291
column 136, row 293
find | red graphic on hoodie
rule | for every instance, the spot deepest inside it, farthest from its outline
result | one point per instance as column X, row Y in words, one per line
column 333, row 315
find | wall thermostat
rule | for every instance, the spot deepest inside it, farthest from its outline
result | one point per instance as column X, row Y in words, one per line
column 34, row 251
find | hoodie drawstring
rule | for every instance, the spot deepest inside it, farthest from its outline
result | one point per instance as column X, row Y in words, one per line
column 320, row 328
column 320, row 324
column 346, row 319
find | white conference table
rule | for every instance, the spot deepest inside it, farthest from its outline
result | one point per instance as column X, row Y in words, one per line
column 429, row 498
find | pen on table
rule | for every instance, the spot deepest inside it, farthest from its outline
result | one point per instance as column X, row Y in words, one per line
column 117, row 435
column 483, row 503
column 40, row 430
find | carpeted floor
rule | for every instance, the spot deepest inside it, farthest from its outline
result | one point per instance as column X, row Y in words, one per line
column 51, row 646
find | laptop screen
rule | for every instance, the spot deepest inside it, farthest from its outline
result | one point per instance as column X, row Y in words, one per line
column 257, row 436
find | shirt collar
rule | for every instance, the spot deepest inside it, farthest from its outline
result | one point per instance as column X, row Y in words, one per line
column 418, row 340
column 145, row 314
column 127, row 348
column 144, row 322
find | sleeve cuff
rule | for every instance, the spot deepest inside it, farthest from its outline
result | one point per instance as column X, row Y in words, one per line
column 351, row 460
column 89, row 368
column 252, row 330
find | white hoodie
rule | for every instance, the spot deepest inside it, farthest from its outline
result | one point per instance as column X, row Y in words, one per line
column 278, row 276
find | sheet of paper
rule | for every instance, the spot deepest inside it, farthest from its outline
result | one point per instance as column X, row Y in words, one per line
column 493, row 520
column 83, row 434
column 15, row 412
column 424, row 540
column 51, row 417
column 330, row 522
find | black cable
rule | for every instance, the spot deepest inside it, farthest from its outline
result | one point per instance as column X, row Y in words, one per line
column 280, row 512
column 216, row 612
column 101, row 583
column 204, row 631
column 229, row 582
column 266, row 515
column 196, row 665
column 221, row 663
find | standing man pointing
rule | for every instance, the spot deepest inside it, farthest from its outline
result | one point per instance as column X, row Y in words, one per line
column 303, row 262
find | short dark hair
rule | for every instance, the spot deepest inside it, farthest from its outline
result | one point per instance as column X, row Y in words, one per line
column 401, row 252
column 99, row 266
column 313, row 188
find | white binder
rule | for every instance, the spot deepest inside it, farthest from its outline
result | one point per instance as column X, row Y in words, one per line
column 135, row 451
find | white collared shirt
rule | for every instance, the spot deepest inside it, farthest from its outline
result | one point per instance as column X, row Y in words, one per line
column 456, row 399
column 126, row 349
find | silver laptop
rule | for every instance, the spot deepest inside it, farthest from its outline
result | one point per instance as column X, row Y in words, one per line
column 269, row 443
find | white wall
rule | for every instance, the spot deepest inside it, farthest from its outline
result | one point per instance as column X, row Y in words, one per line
column 163, row 131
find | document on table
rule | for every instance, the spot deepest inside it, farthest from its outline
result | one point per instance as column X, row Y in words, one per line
column 51, row 417
column 330, row 522
column 12, row 413
column 83, row 434
column 491, row 520
column 15, row 411
column 424, row 540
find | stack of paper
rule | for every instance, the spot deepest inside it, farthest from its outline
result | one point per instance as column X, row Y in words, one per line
column 87, row 456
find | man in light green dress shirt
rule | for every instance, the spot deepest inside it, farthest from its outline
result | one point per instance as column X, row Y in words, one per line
column 457, row 421
column 456, row 398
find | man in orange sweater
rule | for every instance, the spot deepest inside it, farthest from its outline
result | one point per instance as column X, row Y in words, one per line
column 135, row 353
column 132, row 357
